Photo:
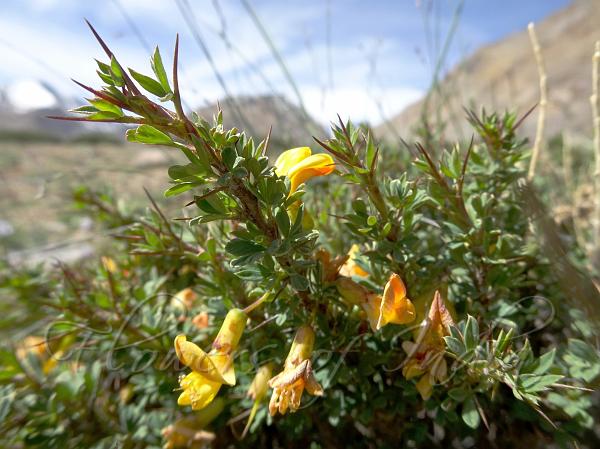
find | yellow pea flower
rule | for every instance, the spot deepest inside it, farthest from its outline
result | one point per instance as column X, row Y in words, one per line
column 392, row 307
column 296, row 376
column 209, row 371
column 426, row 355
column 330, row 267
column 33, row 344
column 351, row 268
column 299, row 165
column 184, row 299
column 109, row 264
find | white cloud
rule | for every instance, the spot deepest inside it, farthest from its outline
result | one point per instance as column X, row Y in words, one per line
column 357, row 103
column 27, row 95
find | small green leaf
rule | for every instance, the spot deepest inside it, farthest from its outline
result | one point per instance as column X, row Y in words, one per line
column 229, row 156
column 179, row 189
column 240, row 247
column 150, row 84
column 105, row 106
column 470, row 415
column 159, row 70
column 117, row 74
column 150, row 135
column 471, row 333
column 283, row 221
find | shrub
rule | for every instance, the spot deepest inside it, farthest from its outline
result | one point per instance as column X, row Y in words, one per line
column 376, row 305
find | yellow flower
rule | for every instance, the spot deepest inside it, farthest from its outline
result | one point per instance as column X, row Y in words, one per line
column 209, row 371
column 426, row 355
column 189, row 432
column 296, row 376
column 109, row 264
column 200, row 320
column 392, row 307
column 299, row 165
column 32, row 344
column 351, row 268
column 330, row 267
column 184, row 299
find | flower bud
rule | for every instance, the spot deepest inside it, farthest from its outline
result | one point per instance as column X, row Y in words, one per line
column 231, row 331
column 260, row 383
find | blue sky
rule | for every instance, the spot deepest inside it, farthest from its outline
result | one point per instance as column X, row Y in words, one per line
column 363, row 59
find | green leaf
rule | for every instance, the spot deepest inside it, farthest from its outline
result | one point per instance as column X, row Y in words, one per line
column 159, row 70
column 532, row 383
column 229, row 157
column 545, row 362
column 150, row 84
column 470, row 415
column 471, row 333
column 179, row 189
column 371, row 151
column 283, row 221
column 459, row 394
column 105, row 106
column 117, row 74
column 150, row 135
column 299, row 282
column 455, row 345
column 240, row 247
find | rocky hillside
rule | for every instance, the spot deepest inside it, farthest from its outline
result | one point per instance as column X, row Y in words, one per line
column 504, row 76
column 256, row 113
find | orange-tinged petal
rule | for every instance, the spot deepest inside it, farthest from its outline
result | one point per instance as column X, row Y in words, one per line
column 351, row 268
column 404, row 312
column 289, row 158
column 439, row 318
column 395, row 307
column 395, row 286
column 315, row 165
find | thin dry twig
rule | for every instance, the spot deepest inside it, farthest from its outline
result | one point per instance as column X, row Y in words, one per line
column 539, row 135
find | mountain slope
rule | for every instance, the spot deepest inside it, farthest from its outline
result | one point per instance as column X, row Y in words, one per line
column 504, row 76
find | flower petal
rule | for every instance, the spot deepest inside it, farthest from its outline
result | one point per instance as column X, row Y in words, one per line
column 316, row 165
column 372, row 307
column 197, row 391
column 199, row 361
column 289, row 158
column 438, row 313
column 425, row 386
